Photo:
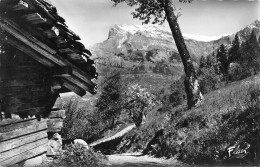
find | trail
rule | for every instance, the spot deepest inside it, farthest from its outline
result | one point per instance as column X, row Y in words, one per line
column 133, row 159
column 128, row 160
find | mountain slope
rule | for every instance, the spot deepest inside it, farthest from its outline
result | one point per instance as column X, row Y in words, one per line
column 150, row 48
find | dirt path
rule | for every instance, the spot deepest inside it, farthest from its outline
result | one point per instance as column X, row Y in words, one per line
column 128, row 160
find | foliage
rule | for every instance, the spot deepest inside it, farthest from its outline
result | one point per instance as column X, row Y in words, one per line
column 76, row 155
column 138, row 102
column 202, row 64
column 209, row 76
column 227, row 116
column 148, row 11
column 223, row 58
column 210, row 80
column 159, row 11
column 250, row 60
column 234, row 50
column 109, row 103
column 174, row 95
column 81, row 121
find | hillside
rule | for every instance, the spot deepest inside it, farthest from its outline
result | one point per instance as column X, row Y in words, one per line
column 228, row 117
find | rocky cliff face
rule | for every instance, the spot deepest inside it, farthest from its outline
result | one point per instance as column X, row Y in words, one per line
column 150, row 48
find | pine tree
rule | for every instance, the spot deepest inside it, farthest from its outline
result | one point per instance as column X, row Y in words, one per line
column 222, row 57
column 211, row 60
column 234, row 50
column 250, row 59
column 109, row 101
column 202, row 62
column 253, row 39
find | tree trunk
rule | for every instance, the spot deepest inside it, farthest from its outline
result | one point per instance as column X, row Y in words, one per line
column 194, row 96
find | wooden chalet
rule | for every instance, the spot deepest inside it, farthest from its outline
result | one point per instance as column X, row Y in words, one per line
column 40, row 57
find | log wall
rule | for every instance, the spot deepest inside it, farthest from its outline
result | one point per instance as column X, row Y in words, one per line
column 24, row 89
column 25, row 93
column 21, row 139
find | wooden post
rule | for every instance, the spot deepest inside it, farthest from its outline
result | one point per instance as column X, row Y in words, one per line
column 54, row 125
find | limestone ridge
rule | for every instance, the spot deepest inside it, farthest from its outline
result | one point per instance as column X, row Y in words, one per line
column 151, row 48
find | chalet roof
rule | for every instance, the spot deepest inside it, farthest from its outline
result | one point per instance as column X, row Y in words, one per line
column 36, row 25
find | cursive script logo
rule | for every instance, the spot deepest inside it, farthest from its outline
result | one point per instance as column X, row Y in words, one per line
column 238, row 150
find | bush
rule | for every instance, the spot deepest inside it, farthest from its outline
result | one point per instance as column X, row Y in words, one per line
column 78, row 156
column 81, row 121
column 174, row 95
column 210, row 80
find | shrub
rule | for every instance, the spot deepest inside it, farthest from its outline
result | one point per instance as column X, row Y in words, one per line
column 174, row 95
column 209, row 80
column 78, row 156
column 81, row 121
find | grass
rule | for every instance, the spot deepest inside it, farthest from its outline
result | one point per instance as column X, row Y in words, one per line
column 226, row 116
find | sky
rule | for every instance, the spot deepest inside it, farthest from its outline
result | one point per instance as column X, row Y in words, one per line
column 92, row 19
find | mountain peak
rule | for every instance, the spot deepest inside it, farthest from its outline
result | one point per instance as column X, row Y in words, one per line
column 150, row 30
column 134, row 28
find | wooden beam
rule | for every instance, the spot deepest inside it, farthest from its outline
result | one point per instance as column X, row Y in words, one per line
column 18, row 125
column 8, row 1
column 43, row 49
column 24, row 48
column 36, row 126
column 21, row 5
column 30, row 41
column 71, row 86
column 34, row 18
column 25, row 152
column 14, row 120
column 65, row 71
column 17, row 142
column 80, row 84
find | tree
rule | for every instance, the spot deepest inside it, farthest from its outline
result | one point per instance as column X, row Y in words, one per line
column 138, row 102
column 222, row 57
column 109, row 102
column 211, row 60
column 234, row 50
column 253, row 38
column 159, row 11
column 202, row 62
column 250, row 60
